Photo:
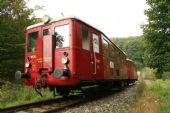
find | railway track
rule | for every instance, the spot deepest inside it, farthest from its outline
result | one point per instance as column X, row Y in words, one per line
column 56, row 105
column 44, row 106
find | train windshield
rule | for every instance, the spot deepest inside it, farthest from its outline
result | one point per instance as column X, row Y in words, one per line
column 32, row 38
column 62, row 36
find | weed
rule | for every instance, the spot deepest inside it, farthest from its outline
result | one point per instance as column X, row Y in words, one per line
column 155, row 97
column 166, row 75
column 140, row 88
column 15, row 94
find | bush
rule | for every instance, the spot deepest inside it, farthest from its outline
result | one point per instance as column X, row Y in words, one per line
column 166, row 75
column 140, row 88
column 14, row 94
column 148, row 73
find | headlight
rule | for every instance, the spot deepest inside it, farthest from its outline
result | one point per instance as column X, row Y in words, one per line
column 27, row 64
column 18, row 75
column 46, row 19
column 64, row 60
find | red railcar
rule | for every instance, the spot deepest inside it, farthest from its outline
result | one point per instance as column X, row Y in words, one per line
column 68, row 54
column 131, row 70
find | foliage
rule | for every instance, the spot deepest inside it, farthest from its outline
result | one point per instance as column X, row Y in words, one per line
column 133, row 47
column 140, row 88
column 147, row 73
column 161, row 88
column 157, row 36
column 15, row 94
column 166, row 75
column 14, row 17
column 155, row 97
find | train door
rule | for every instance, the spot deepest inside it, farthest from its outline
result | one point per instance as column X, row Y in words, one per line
column 33, row 48
column 85, row 57
column 90, row 59
column 105, row 44
column 47, row 48
column 96, row 56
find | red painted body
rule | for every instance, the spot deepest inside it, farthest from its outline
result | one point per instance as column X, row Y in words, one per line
column 131, row 70
column 84, row 65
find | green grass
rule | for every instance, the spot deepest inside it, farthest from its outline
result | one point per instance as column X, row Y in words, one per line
column 162, row 89
column 154, row 97
column 17, row 94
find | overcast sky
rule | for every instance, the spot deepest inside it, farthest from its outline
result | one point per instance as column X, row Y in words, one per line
column 116, row 18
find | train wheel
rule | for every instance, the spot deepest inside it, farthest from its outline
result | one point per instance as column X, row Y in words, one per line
column 87, row 93
column 133, row 82
column 121, row 85
column 64, row 93
column 126, row 83
column 91, row 92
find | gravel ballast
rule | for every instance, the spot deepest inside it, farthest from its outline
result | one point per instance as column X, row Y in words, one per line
column 118, row 102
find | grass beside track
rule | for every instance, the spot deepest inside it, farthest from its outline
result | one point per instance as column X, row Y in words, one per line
column 155, row 97
column 18, row 94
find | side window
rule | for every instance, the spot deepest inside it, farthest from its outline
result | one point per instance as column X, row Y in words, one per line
column 105, row 46
column 112, row 53
column 62, row 36
column 95, row 43
column 119, row 57
column 32, row 38
column 85, row 39
column 122, row 59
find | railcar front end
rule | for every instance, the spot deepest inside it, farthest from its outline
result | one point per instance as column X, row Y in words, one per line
column 50, row 56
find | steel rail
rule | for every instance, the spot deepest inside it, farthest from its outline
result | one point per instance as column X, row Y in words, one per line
column 36, row 104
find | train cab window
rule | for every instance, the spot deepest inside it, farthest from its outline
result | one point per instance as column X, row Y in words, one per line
column 85, row 39
column 46, row 32
column 95, row 43
column 62, row 36
column 32, row 38
column 105, row 46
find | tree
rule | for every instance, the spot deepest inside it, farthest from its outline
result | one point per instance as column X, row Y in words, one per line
column 14, row 18
column 133, row 47
column 157, row 36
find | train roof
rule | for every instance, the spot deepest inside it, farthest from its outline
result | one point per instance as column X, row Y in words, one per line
column 76, row 18
column 63, row 18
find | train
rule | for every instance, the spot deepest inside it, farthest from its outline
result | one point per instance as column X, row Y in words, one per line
column 68, row 54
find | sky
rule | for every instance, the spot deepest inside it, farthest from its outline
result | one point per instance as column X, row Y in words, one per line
column 116, row 18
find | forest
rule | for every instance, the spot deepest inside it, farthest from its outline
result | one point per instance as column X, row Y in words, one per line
column 133, row 47
column 15, row 16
